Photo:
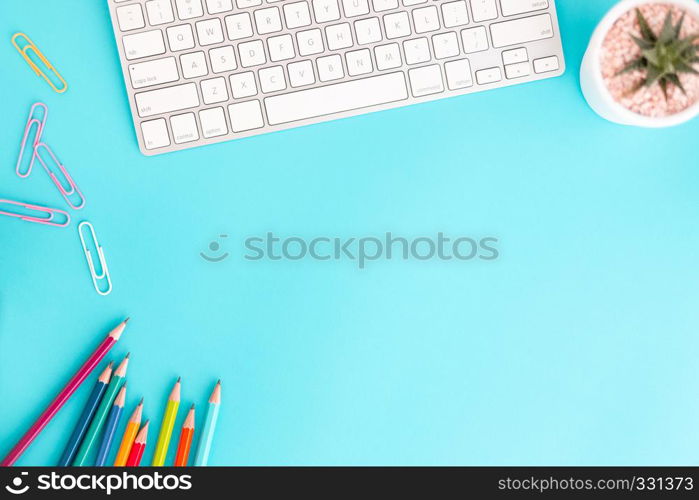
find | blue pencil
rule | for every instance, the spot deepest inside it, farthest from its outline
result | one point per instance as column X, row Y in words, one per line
column 85, row 418
column 110, row 426
column 207, row 433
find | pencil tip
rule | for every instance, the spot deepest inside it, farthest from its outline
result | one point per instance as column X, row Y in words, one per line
column 141, row 401
column 127, row 320
column 219, row 382
column 178, row 380
column 111, row 363
column 127, row 355
column 192, row 407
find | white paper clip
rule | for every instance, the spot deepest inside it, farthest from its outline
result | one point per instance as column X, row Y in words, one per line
column 103, row 275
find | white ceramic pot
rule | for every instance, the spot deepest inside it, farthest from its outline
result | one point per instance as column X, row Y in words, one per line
column 594, row 88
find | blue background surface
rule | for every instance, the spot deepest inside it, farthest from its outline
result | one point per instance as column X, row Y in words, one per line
column 578, row 346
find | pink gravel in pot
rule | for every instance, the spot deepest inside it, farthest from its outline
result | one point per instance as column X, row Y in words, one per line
column 618, row 50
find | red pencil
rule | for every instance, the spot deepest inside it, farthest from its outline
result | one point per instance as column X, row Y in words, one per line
column 139, row 445
column 64, row 395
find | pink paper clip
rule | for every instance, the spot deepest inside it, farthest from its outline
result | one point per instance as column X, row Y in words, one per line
column 47, row 219
column 31, row 122
column 67, row 186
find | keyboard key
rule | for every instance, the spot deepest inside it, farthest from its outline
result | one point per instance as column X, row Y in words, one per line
column 243, row 4
column 238, row 26
column 490, row 75
column 326, row 10
column 519, row 31
column 381, row 5
column 426, row 19
column 354, row 8
column 454, row 14
column 130, row 17
column 268, row 20
column 145, row 44
column 484, row 10
column 445, row 45
column 340, row 97
column 359, row 62
column 546, row 64
column 159, row 12
column 515, row 56
column 188, row 9
column 297, row 15
column 243, row 85
column 426, row 80
column 397, row 25
column 514, row 7
column 154, row 72
column 213, row 122
column 222, row 59
column 155, row 134
column 246, row 116
column 184, row 128
column 281, row 48
column 310, row 42
column 252, row 53
column 272, row 79
column 474, row 39
column 218, row 6
column 301, row 73
column 180, row 37
column 209, row 31
column 458, row 74
column 339, row 36
column 214, row 90
column 517, row 70
column 368, row 30
column 167, row 100
column 388, row 56
column 330, row 68
column 416, row 51
column 193, row 65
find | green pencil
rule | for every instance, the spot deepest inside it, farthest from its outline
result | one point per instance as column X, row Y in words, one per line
column 91, row 438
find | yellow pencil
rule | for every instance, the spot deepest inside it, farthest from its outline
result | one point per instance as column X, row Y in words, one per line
column 129, row 435
column 173, row 403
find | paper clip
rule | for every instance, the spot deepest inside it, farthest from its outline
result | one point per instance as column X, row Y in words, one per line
column 67, row 186
column 40, row 124
column 104, row 270
column 28, row 45
column 47, row 219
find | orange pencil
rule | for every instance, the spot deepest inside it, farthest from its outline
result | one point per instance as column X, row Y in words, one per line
column 129, row 435
column 185, row 439
column 139, row 445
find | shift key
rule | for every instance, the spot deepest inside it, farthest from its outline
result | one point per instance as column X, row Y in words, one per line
column 167, row 100
column 518, row 31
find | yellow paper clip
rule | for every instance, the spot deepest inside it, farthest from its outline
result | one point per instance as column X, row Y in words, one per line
column 28, row 45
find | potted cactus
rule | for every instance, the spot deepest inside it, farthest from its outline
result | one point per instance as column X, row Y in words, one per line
column 642, row 65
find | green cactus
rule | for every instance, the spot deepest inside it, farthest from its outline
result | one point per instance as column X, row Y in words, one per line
column 665, row 56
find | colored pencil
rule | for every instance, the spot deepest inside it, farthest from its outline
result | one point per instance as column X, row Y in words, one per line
column 185, row 440
column 83, row 372
column 207, row 433
column 168, row 423
column 111, row 426
column 139, row 445
column 93, row 432
column 85, row 418
column 129, row 435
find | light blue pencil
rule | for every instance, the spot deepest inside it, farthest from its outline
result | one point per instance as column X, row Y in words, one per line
column 111, row 426
column 207, row 433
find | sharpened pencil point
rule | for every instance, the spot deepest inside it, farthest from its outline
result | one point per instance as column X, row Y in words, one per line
column 127, row 320
column 191, row 407
column 141, row 401
column 178, row 379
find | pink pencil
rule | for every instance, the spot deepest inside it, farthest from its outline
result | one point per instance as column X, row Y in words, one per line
column 64, row 395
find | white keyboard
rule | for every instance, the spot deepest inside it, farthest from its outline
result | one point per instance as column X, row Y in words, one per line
column 205, row 71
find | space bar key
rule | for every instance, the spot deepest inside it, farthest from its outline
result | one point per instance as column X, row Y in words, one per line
column 346, row 96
